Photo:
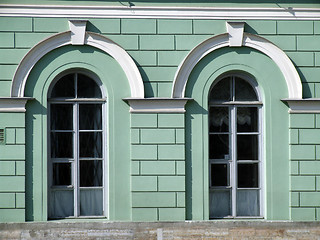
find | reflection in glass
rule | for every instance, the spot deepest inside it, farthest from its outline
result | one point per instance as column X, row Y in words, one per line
column 219, row 119
column 87, row 87
column 90, row 173
column 244, row 91
column 219, row 175
column 220, row 204
column 64, row 88
column 248, row 175
column 247, row 119
column 61, row 144
column 61, row 174
column 218, row 146
column 221, row 91
column 61, row 116
column 90, row 117
column 91, row 201
column 247, row 147
column 248, row 203
column 90, row 144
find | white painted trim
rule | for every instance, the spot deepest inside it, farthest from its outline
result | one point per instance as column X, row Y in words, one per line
column 310, row 105
column 13, row 104
column 69, row 11
column 157, row 105
column 285, row 65
column 235, row 30
column 78, row 31
column 91, row 39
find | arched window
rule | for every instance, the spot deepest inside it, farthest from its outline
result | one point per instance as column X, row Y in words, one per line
column 234, row 149
column 76, row 148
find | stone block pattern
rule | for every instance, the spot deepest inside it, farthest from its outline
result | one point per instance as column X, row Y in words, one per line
column 158, row 167
column 305, row 166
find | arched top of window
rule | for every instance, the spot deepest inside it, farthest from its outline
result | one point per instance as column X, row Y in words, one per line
column 76, row 85
column 233, row 88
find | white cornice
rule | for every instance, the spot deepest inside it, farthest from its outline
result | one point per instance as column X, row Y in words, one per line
column 158, row 12
column 13, row 104
column 308, row 105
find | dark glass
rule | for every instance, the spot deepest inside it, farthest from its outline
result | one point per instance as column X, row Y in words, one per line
column 91, row 202
column 247, row 147
column 61, row 144
column 90, row 173
column 244, row 91
column 61, row 116
column 219, row 175
column 219, row 119
column 218, row 146
column 248, row 176
column 87, row 87
column 221, row 91
column 90, row 144
column 247, row 119
column 64, row 88
column 90, row 116
column 220, row 203
column 61, row 174
column 248, row 203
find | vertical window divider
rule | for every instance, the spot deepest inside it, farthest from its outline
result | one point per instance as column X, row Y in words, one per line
column 233, row 161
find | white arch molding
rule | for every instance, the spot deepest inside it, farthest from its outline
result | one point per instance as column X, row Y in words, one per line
column 285, row 65
column 65, row 38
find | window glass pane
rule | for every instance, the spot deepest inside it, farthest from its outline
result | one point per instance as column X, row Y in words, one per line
column 221, row 91
column 220, row 204
column 87, row 87
column 61, row 116
column 61, row 144
column 90, row 173
column 91, row 201
column 244, row 91
column 61, row 204
column 219, row 146
column 61, row 174
column 247, row 147
column 248, row 203
column 64, row 88
column 219, row 119
column 248, row 176
column 247, row 119
column 90, row 116
column 219, row 175
column 90, row 144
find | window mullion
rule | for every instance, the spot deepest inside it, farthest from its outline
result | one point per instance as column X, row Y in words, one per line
column 233, row 160
column 76, row 160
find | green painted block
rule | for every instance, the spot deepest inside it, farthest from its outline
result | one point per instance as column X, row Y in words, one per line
column 7, row 40
column 12, row 215
column 318, row 183
column 260, row 27
column 309, row 167
column 180, row 136
column 303, row 183
column 284, row 42
column 317, row 90
column 302, row 152
column 317, row 152
column 7, row 71
column 144, row 183
column 308, row 90
column 16, row 24
column 172, row 214
column 12, row 152
column 20, row 136
column 302, row 59
column 188, row 42
column 50, row 25
column 143, row 120
column 317, row 29
column 12, row 120
column 308, row 43
column 20, row 168
column 164, row 89
column 157, row 136
column 128, row 42
column 171, row 58
column 295, row 199
column 303, row 214
column 157, row 167
column 28, row 40
column 209, row 26
column 175, row 120
column 135, row 167
column 20, row 200
column 159, row 73
column 144, row 58
column 309, row 74
column 135, row 136
column 302, row 121
column 294, row 167
column 150, row 89
column 317, row 59
column 294, row 136
column 181, row 199
column 174, row 26
column 109, row 26
column 295, row 27
column 159, row 42
column 171, row 183
column 176, row 152
column 12, row 184
column 309, row 136
column 154, row 199
column 180, row 168
column 7, row 200
column 144, row 214
column 7, row 168
column 141, row 152
column 5, row 88
column 10, row 135
column 138, row 26
column 310, row 199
